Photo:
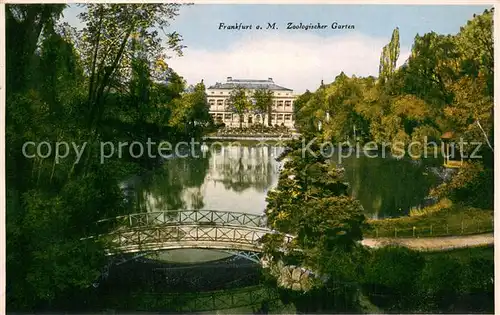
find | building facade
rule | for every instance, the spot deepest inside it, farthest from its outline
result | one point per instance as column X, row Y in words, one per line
column 282, row 108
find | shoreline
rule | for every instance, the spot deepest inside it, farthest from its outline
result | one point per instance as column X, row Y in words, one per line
column 250, row 138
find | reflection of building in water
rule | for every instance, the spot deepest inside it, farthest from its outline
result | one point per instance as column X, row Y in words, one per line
column 282, row 106
column 253, row 166
column 248, row 157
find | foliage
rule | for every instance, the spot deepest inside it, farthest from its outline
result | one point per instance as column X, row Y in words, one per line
column 445, row 85
column 449, row 220
column 311, row 202
column 192, row 110
column 114, row 37
column 263, row 101
column 468, row 186
column 239, row 102
column 389, row 56
column 392, row 271
column 403, row 280
column 108, row 82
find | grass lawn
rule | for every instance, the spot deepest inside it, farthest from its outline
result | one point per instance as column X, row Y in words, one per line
column 448, row 221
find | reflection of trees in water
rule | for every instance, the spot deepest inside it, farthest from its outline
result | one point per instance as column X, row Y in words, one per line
column 165, row 188
column 241, row 168
column 179, row 184
column 197, row 199
column 384, row 186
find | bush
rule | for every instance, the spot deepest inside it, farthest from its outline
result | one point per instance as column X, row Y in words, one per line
column 472, row 185
column 458, row 281
column 440, row 282
column 454, row 220
column 393, row 270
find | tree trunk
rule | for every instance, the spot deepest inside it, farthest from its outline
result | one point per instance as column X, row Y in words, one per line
column 269, row 115
column 485, row 135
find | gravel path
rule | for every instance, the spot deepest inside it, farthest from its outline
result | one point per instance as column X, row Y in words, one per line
column 433, row 243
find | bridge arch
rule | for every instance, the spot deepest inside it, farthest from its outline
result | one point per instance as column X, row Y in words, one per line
column 201, row 229
column 169, row 237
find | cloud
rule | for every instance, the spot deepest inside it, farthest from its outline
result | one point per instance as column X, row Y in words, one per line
column 294, row 60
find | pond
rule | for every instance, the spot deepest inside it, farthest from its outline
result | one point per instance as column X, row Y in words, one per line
column 237, row 178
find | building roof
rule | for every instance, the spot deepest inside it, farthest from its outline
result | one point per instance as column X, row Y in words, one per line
column 249, row 84
column 447, row 135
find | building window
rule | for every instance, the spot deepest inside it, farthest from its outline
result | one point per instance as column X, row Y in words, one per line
column 212, row 92
column 228, row 116
column 288, row 103
column 288, row 117
column 280, row 103
column 280, row 117
column 211, row 102
column 221, row 92
column 273, row 117
column 219, row 102
column 279, row 93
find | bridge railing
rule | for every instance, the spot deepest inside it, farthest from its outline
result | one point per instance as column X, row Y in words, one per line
column 182, row 217
column 169, row 237
column 464, row 227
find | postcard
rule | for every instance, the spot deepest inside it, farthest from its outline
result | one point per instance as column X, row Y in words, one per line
column 249, row 158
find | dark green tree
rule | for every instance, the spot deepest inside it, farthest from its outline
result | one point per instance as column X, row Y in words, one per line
column 239, row 102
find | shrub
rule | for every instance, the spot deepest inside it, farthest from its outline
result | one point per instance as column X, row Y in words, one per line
column 472, row 185
column 394, row 271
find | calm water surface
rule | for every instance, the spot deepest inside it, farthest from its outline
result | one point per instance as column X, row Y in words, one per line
column 232, row 178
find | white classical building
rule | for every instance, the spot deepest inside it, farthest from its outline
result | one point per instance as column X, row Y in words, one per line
column 282, row 109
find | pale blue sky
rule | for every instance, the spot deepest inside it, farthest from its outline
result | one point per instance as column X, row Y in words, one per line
column 299, row 59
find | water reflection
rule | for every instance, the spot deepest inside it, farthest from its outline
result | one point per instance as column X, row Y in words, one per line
column 387, row 187
column 241, row 168
column 237, row 178
column 227, row 177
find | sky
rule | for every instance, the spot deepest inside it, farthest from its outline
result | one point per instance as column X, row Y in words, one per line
column 296, row 58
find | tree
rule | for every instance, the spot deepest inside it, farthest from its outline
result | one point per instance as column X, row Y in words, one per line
column 107, row 45
column 475, row 41
column 263, row 99
column 311, row 202
column 192, row 109
column 389, row 56
column 24, row 25
column 239, row 102
column 394, row 272
column 56, row 80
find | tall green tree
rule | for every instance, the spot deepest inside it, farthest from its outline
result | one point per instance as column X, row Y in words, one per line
column 311, row 202
column 239, row 102
column 57, row 82
column 109, row 38
column 24, row 25
column 389, row 56
column 191, row 111
column 263, row 99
